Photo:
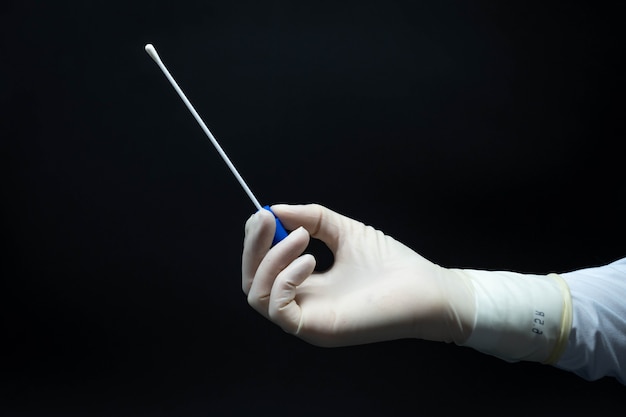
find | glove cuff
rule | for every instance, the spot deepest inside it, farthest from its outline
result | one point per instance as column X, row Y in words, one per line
column 520, row 317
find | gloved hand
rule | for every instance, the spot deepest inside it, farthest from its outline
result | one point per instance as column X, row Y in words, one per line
column 378, row 289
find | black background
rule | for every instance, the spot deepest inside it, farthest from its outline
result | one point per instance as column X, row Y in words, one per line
column 480, row 134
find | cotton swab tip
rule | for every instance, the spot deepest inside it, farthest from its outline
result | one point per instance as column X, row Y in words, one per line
column 152, row 52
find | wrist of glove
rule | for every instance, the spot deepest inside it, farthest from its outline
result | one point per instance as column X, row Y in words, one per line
column 378, row 289
column 519, row 317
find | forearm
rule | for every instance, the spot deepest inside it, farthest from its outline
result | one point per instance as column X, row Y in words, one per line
column 575, row 321
column 597, row 341
column 519, row 317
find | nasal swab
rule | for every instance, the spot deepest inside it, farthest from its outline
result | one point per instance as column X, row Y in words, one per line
column 281, row 233
column 153, row 54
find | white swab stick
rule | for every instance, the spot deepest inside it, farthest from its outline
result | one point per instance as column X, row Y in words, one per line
column 153, row 54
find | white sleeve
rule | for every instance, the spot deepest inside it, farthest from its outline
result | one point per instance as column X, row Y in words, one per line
column 597, row 341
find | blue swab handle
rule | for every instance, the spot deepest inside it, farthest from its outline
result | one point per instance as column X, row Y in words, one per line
column 280, row 233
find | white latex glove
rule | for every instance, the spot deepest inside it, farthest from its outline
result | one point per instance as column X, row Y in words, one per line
column 378, row 289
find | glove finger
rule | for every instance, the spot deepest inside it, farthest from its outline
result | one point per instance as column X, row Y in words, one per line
column 283, row 308
column 321, row 222
column 277, row 259
column 259, row 232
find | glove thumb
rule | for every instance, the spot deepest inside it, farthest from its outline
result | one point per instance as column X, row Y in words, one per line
column 321, row 222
